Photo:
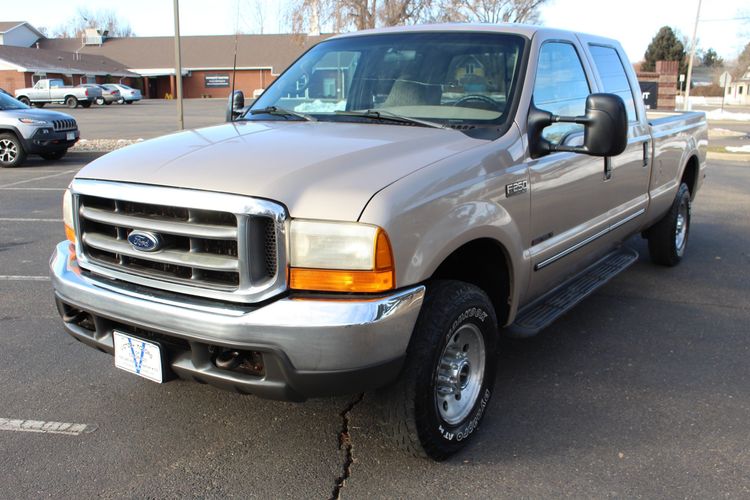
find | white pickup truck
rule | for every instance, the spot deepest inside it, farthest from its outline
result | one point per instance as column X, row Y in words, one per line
column 54, row 90
column 389, row 208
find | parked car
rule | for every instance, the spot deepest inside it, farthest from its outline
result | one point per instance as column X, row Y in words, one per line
column 54, row 90
column 380, row 223
column 108, row 95
column 25, row 131
column 128, row 95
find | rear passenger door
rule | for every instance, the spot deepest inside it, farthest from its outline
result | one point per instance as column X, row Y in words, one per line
column 630, row 170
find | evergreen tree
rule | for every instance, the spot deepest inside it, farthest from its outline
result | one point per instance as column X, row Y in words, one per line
column 665, row 46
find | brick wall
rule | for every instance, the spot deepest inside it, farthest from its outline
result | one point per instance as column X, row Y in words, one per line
column 666, row 75
column 247, row 81
column 10, row 80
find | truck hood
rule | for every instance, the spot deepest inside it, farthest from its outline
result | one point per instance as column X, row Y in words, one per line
column 36, row 114
column 325, row 170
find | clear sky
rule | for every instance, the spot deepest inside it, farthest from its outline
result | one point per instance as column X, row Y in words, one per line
column 632, row 22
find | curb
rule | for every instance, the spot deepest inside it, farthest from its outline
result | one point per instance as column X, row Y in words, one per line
column 742, row 157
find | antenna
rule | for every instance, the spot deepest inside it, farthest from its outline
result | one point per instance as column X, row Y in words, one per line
column 234, row 64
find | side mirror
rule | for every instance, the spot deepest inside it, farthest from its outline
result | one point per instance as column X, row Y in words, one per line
column 235, row 105
column 605, row 128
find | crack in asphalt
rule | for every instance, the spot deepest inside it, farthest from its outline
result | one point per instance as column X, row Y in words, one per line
column 345, row 443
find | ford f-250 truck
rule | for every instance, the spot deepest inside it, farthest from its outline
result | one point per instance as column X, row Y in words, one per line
column 54, row 90
column 394, row 203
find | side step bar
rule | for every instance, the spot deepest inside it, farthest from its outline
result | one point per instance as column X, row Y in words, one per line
column 546, row 309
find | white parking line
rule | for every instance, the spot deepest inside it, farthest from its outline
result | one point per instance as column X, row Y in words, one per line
column 40, row 178
column 6, row 277
column 31, row 189
column 18, row 219
column 19, row 425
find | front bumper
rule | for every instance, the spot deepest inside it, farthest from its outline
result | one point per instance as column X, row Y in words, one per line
column 310, row 346
column 45, row 140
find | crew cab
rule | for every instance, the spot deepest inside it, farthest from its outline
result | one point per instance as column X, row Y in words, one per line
column 54, row 90
column 389, row 208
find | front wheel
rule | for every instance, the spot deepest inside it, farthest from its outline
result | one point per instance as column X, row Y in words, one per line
column 71, row 102
column 100, row 101
column 12, row 153
column 667, row 239
column 437, row 404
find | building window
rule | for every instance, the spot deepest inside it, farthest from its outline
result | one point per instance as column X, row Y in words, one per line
column 740, row 89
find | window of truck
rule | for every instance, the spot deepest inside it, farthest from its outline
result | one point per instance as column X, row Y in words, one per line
column 612, row 74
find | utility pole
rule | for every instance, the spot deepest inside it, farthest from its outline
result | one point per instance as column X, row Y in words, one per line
column 686, row 105
column 178, row 64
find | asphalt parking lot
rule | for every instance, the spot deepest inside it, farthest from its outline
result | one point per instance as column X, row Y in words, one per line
column 642, row 391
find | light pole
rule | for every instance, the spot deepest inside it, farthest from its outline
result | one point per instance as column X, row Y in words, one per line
column 686, row 105
column 178, row 64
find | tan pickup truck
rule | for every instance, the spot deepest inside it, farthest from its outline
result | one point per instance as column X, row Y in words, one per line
column 394, row 203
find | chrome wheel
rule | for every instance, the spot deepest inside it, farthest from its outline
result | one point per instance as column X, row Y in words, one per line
column 8, row 151
column 460, row 374
column 681, row 228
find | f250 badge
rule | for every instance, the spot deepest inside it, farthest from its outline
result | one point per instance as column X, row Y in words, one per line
column 515, row 188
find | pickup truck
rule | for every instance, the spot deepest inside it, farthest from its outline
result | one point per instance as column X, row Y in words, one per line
column 54, row 90
column 394, row 204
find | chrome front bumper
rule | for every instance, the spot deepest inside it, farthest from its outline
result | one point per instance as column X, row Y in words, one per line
column 311, row 345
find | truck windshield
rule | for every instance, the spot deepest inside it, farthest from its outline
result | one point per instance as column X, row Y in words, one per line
column 7, row 103
column 453, row 79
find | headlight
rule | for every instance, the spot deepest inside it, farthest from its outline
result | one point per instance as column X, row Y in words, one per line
column 340, row 257
column 70, row 233
column 31, row 121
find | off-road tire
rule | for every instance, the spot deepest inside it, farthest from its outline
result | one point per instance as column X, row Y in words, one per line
column 71, row 101
column 54, row 155
column 665, row 246
column 410, row 406
column 12, row 153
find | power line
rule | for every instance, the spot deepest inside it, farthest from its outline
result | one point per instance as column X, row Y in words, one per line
column 743, row 18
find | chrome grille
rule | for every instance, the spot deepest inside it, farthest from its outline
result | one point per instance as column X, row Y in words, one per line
column 61, row 125
column 230, row 252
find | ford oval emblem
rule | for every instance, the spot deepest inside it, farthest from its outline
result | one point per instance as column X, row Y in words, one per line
column 144, row 241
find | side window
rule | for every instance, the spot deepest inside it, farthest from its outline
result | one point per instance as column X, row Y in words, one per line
column 561, row 88
column 612, row 73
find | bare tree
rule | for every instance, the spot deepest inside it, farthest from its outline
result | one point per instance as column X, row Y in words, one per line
column 344, row 15
column 101, row 19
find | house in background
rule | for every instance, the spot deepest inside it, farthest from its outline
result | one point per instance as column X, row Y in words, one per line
column 737, row 91
column 22, row 67
column 18, row 34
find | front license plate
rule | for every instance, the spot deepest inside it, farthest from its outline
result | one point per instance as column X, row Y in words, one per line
column 138, row 356
column 70, row 136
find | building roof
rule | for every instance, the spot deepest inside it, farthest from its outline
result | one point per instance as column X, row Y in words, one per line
column 56, row 61
column 148, row 55
column 6, row 26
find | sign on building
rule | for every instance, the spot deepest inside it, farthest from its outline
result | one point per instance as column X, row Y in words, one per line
column 650, row 93
column 216, row 80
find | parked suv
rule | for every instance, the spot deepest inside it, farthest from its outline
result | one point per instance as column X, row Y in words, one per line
column 25, row 131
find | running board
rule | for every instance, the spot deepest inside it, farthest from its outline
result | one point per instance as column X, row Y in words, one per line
column 543, row 311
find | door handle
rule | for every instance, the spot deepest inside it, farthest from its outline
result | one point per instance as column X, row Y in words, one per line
column 645, row 153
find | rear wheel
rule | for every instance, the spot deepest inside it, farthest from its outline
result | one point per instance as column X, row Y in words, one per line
column 128, row 102
column 667, row 239
column 54, row 155
column 100, row 101
column 39, row 104
column 439, row 401
column 120, row 101
column 71, row 101
column 107, row 102
column 86, row 104
column 25, row 100
column 11, row 151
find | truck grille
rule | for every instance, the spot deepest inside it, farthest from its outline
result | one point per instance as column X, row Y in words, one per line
column 60, row 125
column 207, row 252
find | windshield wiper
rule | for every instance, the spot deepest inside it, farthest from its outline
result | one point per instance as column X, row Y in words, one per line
column 275, row 110
column 391, row 117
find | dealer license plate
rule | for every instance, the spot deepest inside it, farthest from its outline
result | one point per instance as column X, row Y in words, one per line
column 138, row 356
column 70, row 136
